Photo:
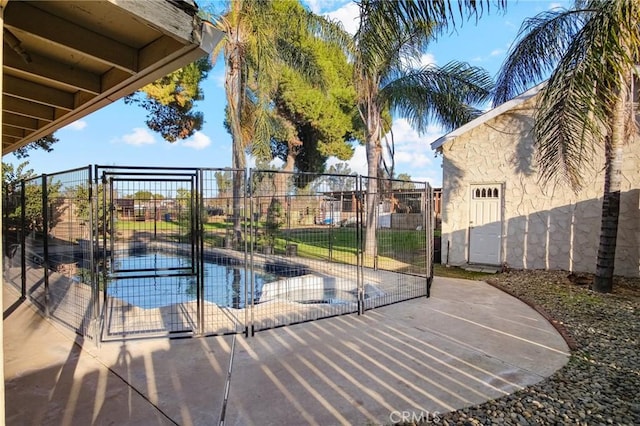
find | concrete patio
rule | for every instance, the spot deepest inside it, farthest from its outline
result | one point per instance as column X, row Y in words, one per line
column 466, row 344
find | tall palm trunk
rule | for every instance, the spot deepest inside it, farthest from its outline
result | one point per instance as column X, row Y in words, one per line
column 234, row 91
column 603, row 282
column 373, row 121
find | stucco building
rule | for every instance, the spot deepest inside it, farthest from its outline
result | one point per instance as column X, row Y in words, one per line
column 496, row 212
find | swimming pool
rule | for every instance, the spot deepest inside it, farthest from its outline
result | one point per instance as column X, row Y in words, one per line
column 155, row 280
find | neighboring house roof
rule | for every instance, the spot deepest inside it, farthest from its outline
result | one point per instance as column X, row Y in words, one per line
column 63, row 60
column 492, row 113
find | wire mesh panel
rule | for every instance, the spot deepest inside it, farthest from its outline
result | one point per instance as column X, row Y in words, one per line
column 305, row 235
column 68, row 252
column 396, row 246
column 225, row 275
column 149, row 251
column 32, row 252
column 12, row 232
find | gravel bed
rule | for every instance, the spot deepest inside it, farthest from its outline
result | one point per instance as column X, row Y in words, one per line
column 600, row 385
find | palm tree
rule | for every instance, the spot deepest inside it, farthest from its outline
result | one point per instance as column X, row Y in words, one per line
column 392, row 36
column 590, row 51
column 259, row 34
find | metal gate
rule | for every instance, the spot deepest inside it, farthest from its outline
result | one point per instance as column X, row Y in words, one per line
column 149, row 267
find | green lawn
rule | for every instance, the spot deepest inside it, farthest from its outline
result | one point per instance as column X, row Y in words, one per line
column 397, row 249
column 440, row 270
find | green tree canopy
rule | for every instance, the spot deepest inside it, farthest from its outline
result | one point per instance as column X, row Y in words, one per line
column 144, row 195
column 317, row 120
column 44, row 143
column 170, row 101
column 12, row 176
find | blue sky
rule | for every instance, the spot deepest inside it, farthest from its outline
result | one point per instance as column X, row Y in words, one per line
column 117, row 134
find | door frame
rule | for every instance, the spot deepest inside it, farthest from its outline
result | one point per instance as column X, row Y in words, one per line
column 500, row 186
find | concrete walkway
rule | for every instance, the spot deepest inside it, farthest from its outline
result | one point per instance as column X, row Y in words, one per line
column 468, row 343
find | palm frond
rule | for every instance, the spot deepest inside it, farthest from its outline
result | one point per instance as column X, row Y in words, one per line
column 444, row 94
column 542, row 41
column 575, row 111
column 401, row 42
column 383, row 17
column 565, row 134
column 330, row 31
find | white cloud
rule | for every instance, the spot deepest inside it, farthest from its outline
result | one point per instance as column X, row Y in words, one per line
column 76, row 125
column 555, row 6
column 412, row 150
column 413, row 155
column 348, row 15
column 425, row 60
column 198, row 141
column 434, row 178
column 414, row 159
column 495, row 53
column 139, row 136
column 357, row 163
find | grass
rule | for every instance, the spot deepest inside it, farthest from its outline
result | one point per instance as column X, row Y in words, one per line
column 399, row 250
column 161, row 225
column 440, row 270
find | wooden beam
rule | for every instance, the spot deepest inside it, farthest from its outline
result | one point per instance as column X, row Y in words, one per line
column 20, row 121
column 72, row 77
column 29, row 109
column 52, row 29
column 8, row 142
column 156, row 51
column 39, row 93
column 14, row 132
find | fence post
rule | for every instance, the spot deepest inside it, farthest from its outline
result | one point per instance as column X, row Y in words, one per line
column 359, row 244
column 45, row 243
column 430, row 235
column 23, row 239
column 253, row 233
column 199, row 236
column 92, row 277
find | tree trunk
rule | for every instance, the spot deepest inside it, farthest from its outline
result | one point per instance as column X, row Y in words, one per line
column 234, row 91
column 603, row 282
column 374, row 151
column 282, row 180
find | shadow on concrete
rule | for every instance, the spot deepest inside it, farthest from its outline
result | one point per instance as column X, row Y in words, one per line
column 466, row 344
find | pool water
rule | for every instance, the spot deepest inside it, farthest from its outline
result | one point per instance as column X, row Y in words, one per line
column 150, row 281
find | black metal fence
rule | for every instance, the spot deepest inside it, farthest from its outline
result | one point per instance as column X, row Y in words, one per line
column 115, row 252
column 46, row 221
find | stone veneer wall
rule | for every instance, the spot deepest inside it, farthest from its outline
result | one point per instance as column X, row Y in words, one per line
column 547, row 227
